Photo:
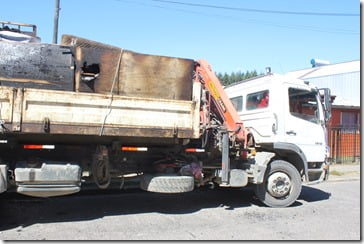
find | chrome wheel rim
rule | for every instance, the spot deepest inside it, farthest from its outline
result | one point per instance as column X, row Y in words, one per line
column 279, row 184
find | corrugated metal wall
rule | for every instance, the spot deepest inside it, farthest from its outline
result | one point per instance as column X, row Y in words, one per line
column 344, row 144
column 346, row 87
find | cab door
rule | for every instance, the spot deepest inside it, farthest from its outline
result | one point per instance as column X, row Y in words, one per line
column 304, row 122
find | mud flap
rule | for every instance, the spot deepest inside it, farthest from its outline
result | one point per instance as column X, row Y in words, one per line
column 261, row 161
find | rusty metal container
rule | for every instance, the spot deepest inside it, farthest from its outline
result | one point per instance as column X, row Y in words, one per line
column 93, row 58
column 129, row 73
column 111, row 94
column 152, row 76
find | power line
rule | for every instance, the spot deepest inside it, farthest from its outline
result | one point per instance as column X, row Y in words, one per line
column 251, row 21
column 258, row 10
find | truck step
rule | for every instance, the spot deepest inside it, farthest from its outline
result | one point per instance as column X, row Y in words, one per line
column 51, row 179
column 47, row 190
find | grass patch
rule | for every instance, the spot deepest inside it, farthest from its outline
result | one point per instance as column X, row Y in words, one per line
column 337, row 173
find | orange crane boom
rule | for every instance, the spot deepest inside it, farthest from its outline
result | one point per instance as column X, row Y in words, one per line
column 226, row 109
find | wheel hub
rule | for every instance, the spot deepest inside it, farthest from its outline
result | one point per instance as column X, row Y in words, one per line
column 279, row 184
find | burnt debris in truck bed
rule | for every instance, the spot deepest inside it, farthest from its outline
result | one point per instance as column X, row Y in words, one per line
column 34, row 65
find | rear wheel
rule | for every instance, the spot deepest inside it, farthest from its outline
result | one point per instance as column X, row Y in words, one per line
column 281, row 186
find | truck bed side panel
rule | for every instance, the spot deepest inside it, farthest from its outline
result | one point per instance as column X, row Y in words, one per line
column 97, row 114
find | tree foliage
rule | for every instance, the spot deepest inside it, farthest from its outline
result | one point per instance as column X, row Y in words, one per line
column 227, row 79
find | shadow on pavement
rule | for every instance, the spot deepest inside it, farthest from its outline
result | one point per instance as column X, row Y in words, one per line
column 310, row 194
column 17, row 210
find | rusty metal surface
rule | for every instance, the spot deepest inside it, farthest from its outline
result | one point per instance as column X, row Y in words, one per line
column 153, row 76
column 71, row 40
column 108, row 131
column 89, row 53
column 138, row 75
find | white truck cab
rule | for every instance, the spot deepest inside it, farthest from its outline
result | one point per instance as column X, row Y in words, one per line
column 285, row 115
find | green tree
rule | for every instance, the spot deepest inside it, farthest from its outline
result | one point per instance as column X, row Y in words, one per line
column 233, row 77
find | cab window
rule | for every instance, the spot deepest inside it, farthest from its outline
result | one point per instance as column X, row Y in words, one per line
column 257, row 100
column 238, row 103
column 303, row 104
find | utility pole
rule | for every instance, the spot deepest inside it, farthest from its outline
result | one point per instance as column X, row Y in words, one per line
column 55, row 25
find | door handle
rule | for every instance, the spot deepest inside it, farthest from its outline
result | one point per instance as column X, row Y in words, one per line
column 291, row 133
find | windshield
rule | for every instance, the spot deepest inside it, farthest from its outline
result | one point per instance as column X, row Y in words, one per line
column 304, row 104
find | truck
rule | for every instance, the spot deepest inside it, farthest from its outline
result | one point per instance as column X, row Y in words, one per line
column 18, row 32
column 286, row 116
column 86, row 114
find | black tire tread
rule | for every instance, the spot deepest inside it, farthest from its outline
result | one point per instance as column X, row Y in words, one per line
column 167, row 183
column 284, row 166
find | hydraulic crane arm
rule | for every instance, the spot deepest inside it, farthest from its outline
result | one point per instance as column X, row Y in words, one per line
column 226, row 109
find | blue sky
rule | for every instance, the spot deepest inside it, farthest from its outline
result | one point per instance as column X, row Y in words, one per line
column 231, row 37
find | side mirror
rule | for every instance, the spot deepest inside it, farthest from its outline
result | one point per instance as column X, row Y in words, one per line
column 325, row 95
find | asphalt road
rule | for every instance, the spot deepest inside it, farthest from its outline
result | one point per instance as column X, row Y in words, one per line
column 327, row 211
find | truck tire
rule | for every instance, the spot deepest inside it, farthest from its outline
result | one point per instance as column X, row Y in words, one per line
column 167, row 183
column 281, row 186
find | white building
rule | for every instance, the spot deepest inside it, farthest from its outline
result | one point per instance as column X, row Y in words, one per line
column 342, row 78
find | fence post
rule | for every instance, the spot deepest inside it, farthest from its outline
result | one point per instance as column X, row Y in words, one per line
column 354, row 151
column 338, row 147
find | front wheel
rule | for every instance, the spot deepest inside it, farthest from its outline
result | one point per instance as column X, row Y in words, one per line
column 281, row 186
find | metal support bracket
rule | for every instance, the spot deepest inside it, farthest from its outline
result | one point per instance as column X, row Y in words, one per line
column 225, row 161
column 18, row 107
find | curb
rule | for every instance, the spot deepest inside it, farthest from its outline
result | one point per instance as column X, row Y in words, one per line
column 338, row 179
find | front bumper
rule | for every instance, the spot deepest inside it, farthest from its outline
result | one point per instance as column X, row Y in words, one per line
column 319, row 174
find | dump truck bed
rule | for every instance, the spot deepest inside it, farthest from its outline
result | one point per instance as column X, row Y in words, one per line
column 85, row 88
column 50, row 112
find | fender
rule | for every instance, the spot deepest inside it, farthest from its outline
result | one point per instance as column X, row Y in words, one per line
column 261, row 161
column 290, row 151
